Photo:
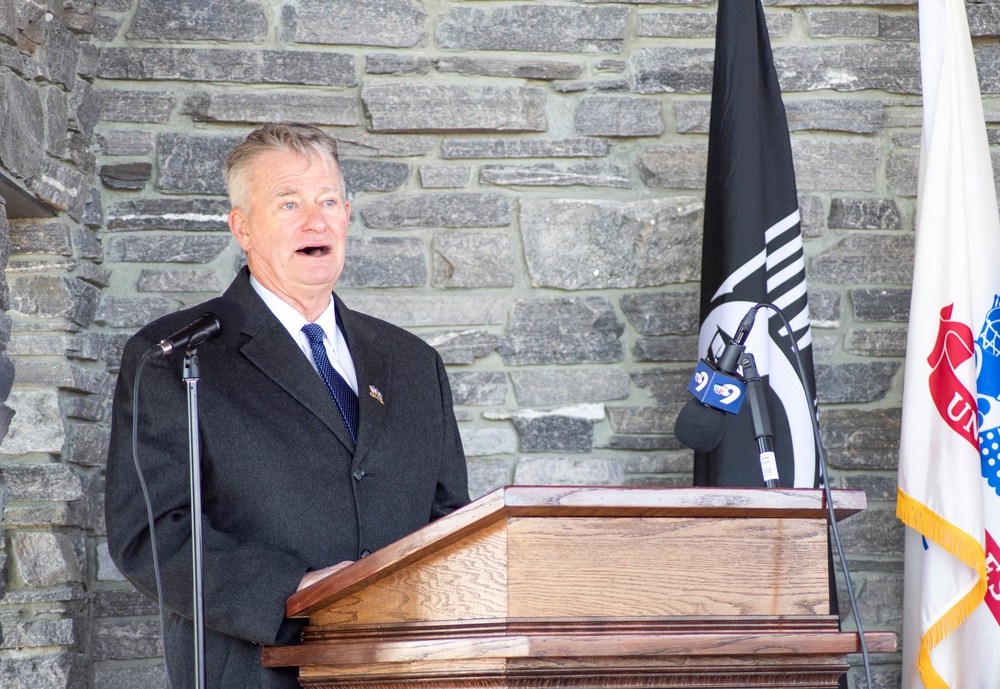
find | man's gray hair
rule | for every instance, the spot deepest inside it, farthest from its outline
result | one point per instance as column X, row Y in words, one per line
column 292, row 137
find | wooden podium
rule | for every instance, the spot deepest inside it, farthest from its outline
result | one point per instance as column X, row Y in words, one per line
column 588, row 587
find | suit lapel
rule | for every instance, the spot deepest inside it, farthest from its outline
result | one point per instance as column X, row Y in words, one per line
column 373, row 367
column 275, row 354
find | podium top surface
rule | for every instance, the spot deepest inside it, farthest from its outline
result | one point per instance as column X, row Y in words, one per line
column 573, row 501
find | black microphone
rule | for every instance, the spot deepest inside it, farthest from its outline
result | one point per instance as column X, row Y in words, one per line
column 718, row 390
column 222, row 317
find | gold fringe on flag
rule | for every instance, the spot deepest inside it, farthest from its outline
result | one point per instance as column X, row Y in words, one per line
column 963, row 547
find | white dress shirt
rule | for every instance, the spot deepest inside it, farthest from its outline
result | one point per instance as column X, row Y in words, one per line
column 333, row 339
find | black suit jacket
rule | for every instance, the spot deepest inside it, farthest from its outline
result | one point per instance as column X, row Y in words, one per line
column 284, row 489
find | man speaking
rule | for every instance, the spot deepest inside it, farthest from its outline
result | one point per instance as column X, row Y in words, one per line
column 325, row 434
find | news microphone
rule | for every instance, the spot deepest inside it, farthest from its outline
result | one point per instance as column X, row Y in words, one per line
column 718, row 391
column 222, row 317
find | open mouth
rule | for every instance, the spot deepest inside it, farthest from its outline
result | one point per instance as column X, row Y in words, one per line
column 320, row 250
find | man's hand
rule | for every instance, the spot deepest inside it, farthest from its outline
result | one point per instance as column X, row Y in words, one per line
column 312, row 577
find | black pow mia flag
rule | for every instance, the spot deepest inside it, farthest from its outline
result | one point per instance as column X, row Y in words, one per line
column 752, row 253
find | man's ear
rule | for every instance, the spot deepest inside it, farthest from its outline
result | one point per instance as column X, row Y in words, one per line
column 238, row 225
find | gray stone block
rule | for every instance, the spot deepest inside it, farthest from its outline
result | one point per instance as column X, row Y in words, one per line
column 136, row 106
column 8, row 21
column 891, row 305
column 85, row 109
column 451, row 107
column 901, row 170
column 491, row 440
column 52, row 297
column 876, row 342
column 659, row 463
column 588, row 174
column 861, row 439
column 680, row 348
column 836, row 165
column 562, row 330
column 61, row 374
column 31, row 237
column 855, row 382
column 984, row 20
column 180, row 281
column 524, row 148
column 554, row 433
column 457, row 209
column 824, row 308
column 813, row 214
column 167, row 249
column 478, row 388
column 666, row 385
column 558, row 471
column 645, row 443
column 197, row 20
column 106, row 28
column 61, row 54
column 44, row 559
column 391, row 23
column 444, row 176
column 615, row 84
column 21, row 111
column 873, row 532
column 125, row 142
column 131, row 312
column 373, row 175
column 221, row 64
column 355, row 143
column 892, row 67
column 63, row 187
column 895, row 27
column 533, row 28
column 384, row 262
column 573, row 385
column 50, row 481
column 863, row 213
column 583, row 244
column 126, row 639
column 44, row 671
column 472, row 259
column 126, row 176
column 193, row 164
column 394, row 63
column 431, row 311
column 87, row 444
column 462, row 346
column 488, row 474
column 87, row 244
column 273, row 107
column 854, row 24
column 521, row 69
column 628, row 116
column 662, row 313
column 678, row 24
column 37, row 424
column 56, row 122
column 865, row 258
column 170, row 214
column 122, row 602
column 674, row 166
column 130, row 677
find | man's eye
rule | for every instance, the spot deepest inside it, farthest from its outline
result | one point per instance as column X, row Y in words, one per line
column 289, row 205
column 329, row 203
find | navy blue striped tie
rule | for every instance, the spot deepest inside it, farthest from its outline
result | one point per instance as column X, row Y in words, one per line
column 340, row 391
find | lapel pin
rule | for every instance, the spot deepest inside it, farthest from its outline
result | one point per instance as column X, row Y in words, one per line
column 373, row 391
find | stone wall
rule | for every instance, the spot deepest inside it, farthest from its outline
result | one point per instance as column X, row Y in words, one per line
column 527, row 183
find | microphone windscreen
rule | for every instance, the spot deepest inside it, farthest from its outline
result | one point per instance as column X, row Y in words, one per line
column 700, row 427
column 230, row 315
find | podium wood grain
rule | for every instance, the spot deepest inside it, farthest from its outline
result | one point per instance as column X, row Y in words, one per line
column 588, row 587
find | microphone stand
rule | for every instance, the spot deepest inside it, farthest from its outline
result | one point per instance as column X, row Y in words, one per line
column 191, row 376
column 760, row 420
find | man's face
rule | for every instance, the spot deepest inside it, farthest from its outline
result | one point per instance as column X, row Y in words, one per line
column 294, row 229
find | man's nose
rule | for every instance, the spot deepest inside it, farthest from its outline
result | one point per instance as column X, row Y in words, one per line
column 315, row 219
